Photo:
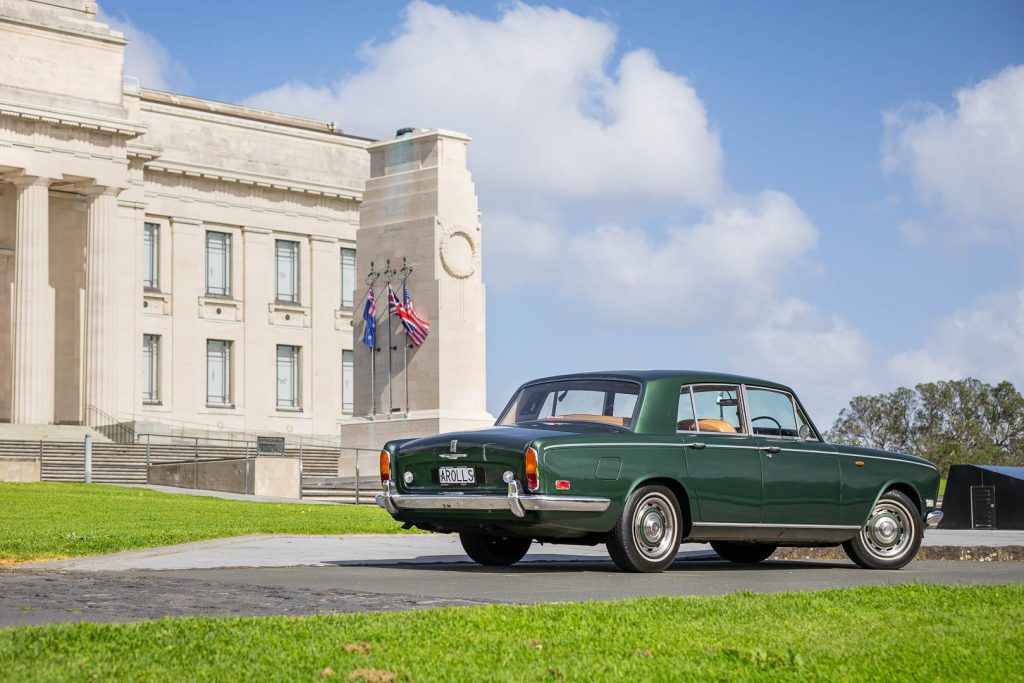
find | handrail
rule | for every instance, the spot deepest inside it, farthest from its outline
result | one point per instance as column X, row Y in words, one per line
column 242, row 434
column 108, row 425
column 154, row 438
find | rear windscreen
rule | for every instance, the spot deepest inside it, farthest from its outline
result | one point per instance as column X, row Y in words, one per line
column 611, row 402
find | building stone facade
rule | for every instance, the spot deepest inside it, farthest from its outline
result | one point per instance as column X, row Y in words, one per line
column 169, row 261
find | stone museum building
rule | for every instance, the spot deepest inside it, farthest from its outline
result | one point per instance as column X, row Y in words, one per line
column 181, row 263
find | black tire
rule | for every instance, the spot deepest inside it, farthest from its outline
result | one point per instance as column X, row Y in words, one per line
column 892, row 535
column 647, row 534
column 743, row 553
column 494, row 551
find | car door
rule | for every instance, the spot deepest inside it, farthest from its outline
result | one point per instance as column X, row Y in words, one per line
column 800, row 477
column 722, row 459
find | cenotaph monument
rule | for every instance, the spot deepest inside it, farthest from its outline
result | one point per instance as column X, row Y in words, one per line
column 419, row 224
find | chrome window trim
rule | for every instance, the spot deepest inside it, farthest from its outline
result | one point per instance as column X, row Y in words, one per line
column 742, row 406
column 796, row 417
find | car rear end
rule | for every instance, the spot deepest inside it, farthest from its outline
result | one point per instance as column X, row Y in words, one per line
column 474, row 480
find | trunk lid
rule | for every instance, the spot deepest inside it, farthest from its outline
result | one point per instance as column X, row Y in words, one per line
column 488, row 454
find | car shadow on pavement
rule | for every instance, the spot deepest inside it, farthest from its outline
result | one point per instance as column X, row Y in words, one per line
column 451, row 563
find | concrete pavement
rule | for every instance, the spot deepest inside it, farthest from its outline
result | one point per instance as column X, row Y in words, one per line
column 38, row 597
column 299, row 575
column 390, row 549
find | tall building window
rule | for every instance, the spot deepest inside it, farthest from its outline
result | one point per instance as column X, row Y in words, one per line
column 150, row 368
column 348, row 277
column 288, row 376
column 151, row 249
column 286, row 257
column 218, row 372
column 347, row 381
column 218, row 263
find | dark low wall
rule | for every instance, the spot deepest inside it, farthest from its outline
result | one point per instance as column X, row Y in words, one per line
column 231, row 476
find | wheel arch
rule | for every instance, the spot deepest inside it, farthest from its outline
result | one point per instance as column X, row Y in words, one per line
column 903, row 487
column 681, row 494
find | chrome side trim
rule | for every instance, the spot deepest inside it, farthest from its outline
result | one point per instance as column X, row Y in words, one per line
column 759, row 525
column 854, row 455
column 933, row 518
column 607, row 445
column 393, row 501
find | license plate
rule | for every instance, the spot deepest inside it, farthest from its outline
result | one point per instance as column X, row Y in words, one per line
column 448, row 476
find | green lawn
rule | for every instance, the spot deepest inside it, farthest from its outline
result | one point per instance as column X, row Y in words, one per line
column 48, row 520
column 912, row 633
column 942, row 487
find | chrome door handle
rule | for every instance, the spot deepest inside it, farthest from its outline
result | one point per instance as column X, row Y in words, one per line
column 770, row 450
column 697, row 445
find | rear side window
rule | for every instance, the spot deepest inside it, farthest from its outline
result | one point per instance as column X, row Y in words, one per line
column 713, row 408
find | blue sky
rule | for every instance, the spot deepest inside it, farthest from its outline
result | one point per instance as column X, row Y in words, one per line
column 875, row 216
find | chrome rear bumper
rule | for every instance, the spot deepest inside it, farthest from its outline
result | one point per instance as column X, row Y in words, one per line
column 933, row 518
column 393, row 501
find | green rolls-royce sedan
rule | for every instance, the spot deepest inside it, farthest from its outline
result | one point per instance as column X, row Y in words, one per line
column 643, row 461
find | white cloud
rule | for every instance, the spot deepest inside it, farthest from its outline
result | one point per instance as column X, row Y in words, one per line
column 818, row 354
column 146, row 59
column 726, row 266
column 969, row 161
column 537, row 88
column 984, row 340
column 585, row 162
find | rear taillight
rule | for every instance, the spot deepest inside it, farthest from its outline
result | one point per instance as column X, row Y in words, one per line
column 532, row 480
column 385, row 467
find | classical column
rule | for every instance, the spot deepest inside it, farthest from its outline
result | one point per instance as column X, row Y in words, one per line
column 32, row 341
column 101, row 309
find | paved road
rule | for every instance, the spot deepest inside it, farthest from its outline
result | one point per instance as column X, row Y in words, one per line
column 295, row 575
column 390, row 549
column 35, row 597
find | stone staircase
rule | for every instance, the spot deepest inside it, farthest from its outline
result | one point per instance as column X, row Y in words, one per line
column 70, row 433
column 333, row 477
column 114, row 463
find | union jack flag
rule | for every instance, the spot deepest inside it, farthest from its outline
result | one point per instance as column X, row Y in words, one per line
column 416, row 328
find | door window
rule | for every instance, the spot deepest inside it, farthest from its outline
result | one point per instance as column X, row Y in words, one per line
column 718, row 408
column 771, row 413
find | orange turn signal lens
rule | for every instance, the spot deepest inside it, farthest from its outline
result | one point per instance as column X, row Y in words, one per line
column 532, row 480
column 385, row 467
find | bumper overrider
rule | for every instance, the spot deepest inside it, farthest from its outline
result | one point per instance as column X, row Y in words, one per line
column 394, row 502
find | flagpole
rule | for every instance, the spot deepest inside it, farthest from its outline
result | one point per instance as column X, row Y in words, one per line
column 389, row 273
column 405, row 272
column 371, row 280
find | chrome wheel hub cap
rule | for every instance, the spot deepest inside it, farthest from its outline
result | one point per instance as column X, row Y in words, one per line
column 890, row 530
column 654, row 527
column 885, row 529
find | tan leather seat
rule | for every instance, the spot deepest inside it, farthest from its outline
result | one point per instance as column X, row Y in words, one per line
column 707, row 426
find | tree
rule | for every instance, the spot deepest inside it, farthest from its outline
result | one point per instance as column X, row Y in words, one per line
column 950, row 422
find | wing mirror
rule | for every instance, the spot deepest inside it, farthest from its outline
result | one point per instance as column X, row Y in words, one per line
column 804, row 432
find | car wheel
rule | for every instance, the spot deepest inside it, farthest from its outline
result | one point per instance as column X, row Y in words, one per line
column 743, row 553
column 892, row 535
column 646, row 536
column 494, row 551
